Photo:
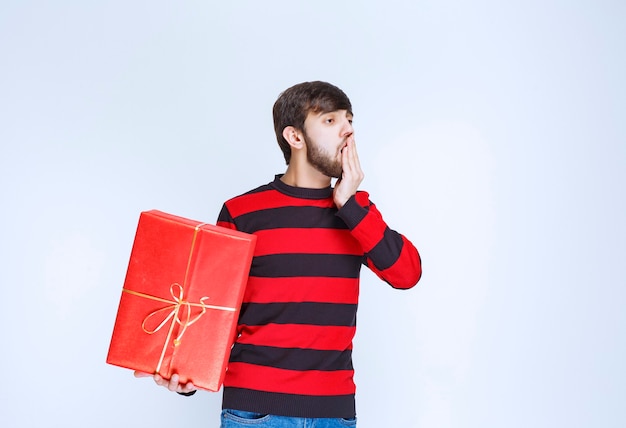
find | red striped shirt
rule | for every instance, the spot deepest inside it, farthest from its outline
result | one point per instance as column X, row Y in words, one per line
column 292, row 356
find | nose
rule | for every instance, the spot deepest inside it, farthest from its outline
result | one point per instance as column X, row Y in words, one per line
column 347, row 128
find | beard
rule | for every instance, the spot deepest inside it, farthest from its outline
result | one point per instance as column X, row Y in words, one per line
column 321, row 160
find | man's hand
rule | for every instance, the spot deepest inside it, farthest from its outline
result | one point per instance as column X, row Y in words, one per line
column 352, row 175
column 172, row 384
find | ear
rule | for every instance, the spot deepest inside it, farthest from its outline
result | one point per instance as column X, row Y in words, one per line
column 293, row 137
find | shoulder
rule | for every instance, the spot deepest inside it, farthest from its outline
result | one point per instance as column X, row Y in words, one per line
column 250, row 193
column 252, row 200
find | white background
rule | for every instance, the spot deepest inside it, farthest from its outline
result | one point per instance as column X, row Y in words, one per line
column 491, row 133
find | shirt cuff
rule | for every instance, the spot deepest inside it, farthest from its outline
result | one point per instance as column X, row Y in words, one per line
column 352, row 213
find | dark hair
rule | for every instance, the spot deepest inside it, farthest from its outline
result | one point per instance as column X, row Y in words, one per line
column 294, row 104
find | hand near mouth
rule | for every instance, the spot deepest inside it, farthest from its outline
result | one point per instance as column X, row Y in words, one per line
column 351, row 176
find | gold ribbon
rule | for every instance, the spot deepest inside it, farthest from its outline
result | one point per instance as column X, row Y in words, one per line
column 175, row 306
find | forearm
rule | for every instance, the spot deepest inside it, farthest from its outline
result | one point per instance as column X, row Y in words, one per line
column 388, row 253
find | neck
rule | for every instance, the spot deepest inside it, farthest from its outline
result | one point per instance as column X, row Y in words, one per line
column 305, row 176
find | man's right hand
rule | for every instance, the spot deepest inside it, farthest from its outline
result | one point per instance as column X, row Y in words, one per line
column 172, row 384
column 351, row 175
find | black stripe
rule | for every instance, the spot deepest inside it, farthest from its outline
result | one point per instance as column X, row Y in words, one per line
column 387, row 251
column 224, row 215
column 293, row 265
column 304, row 406
column 289, row 217
column 292, row 358
column 310, row 313
column 261, row 188
column 353, row 214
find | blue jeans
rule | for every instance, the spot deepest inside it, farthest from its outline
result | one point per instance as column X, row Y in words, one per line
column 241, row 419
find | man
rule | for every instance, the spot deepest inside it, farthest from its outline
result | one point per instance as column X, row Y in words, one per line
column 291, row 363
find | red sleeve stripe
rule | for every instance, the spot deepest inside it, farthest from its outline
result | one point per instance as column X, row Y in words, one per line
column 303, row 289
column 271, row 199
column 226, row 224
column 314, row 382
column 316, row 241
column 327, row 338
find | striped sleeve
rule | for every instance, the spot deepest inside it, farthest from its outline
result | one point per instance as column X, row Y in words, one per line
column 390, row 255
column 224, row 219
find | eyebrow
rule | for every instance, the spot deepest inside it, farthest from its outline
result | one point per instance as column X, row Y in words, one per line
column 348, row 113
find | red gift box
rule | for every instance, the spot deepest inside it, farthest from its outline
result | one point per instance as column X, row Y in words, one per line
column 181, row 299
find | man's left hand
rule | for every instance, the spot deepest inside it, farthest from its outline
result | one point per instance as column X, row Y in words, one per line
column 352, row 175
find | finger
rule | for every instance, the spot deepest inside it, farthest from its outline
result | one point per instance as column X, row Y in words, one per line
column 355, row 164
column 349, row 163
column 188, row 387
column 158, row 379
column 344, row 161
column 355, row 153
column 173, row 383
column 137, row 373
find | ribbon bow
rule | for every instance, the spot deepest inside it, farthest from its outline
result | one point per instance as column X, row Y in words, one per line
column 178, row 305
column 174, row 307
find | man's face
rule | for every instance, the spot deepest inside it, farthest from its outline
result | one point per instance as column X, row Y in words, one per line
column 325, row 135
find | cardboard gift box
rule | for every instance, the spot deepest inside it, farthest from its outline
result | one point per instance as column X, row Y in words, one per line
column 181, row 299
